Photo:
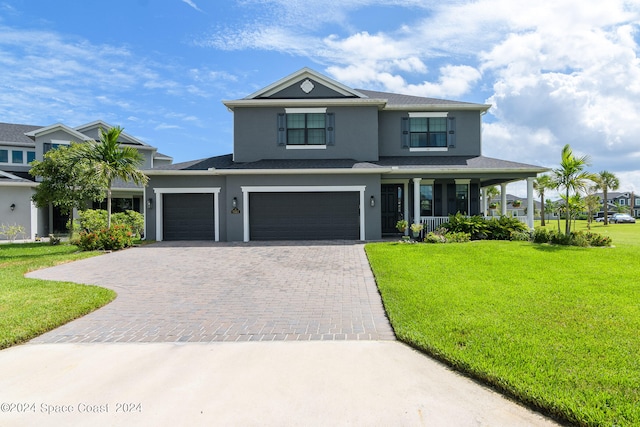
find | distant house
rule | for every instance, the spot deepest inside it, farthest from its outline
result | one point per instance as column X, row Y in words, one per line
column 315, row 159
column 21, row 144
column 626, row 199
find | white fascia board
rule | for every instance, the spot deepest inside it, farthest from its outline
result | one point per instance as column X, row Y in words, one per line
column 58, row 126
column 18, row 184
column 323, row 171
column 18, row 144
column 331, row 102
column 439, row 107
column 442, row 171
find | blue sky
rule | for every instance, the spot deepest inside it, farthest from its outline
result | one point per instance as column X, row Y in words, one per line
column 555, row 71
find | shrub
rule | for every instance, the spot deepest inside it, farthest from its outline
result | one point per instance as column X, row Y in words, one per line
column 53, row 240
column 132, row 219
column 475, row 226
column 504, row 228
column 92, row 220
column 109, row 239
column 12, row 231
column 596, row 239
column 432, row 237
column 580, row 238
column 459, row 237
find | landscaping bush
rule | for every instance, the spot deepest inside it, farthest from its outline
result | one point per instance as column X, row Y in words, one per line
column 115, row 238
column 475, row 226
column 504, row 228
column 459, row 237
column 579, row 238
column 12, row 231
column 92, row 220
column 432, row 237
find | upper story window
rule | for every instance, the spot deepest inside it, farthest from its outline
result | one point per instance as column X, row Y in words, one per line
column 428, row 131
column 52, row 146
column 305, row 128
column 17, row 156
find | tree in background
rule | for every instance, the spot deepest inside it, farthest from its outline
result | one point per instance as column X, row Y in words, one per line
column 492, row 192
column 541, row 184
column 592, row 204
column 572, row 178
column 606, row 181
column 67, row 181
column 111, row 161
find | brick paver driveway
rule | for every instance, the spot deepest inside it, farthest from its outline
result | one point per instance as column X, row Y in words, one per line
column 202, row 292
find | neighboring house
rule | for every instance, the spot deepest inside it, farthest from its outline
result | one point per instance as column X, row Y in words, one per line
column 21, row 144
column 315, row 159
column 512, row 210
column 627, row 199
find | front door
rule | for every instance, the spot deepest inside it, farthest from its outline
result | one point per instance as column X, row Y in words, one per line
column 392, row 206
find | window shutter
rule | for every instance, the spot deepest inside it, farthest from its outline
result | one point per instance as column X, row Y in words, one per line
column 451, row 132
column 330, row 131
column 282, row 129
column 405, row 132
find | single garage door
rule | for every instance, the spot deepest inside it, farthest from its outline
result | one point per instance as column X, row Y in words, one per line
column 188, row 217
column 304, row 216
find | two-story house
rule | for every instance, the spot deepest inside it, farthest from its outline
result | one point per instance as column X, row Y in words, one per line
column 315, row 159
column 21, row 144
column 627, row 200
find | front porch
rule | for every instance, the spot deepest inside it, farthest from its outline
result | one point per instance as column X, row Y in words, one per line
column 430, row 201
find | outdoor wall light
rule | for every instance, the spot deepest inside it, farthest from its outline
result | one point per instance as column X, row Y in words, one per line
column 372, row 201
column 234, row 202
column 150, row 204
column 13, row 206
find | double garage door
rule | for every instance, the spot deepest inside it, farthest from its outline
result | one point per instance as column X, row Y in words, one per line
column 272, row 216
column 304, row 216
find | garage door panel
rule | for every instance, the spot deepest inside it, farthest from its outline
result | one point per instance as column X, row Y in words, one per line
column 304, row 216
column 188, row 217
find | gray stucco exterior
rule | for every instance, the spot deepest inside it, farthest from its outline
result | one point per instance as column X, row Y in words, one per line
column 17, row 185
column 365, row 155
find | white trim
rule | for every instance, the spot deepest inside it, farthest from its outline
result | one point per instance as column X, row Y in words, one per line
column 307, row 147
column 429, row 114
column 309, row 110
column 246, row 190
column 196, row 190
column 416, row 149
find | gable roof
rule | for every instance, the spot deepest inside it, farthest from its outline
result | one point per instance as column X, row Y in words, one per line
column 124, row 137
column 275, row 95
column 55, row 127
column 305, row 73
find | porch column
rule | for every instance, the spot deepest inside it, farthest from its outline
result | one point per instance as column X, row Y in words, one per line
column 405, row 203
column 416, row 200
column 503, row 198
column 530, row 201
column 485, row 205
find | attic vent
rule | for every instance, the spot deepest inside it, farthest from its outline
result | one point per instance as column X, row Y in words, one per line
column 307, row 86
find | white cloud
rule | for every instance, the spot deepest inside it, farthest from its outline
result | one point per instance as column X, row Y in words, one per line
column 192, row 4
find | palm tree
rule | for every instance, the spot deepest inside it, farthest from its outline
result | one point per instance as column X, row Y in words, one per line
column 571, row 177
column 541, row 184
column 111, row 161
column 606, row 181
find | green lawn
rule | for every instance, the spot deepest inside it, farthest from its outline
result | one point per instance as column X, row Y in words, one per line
column 555, row 327
column 30, row 307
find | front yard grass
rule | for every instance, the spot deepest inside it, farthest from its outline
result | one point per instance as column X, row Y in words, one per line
column 30, row 307
column 555, row 327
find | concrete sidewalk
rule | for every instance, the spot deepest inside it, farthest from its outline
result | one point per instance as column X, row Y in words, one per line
column 332, row 383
